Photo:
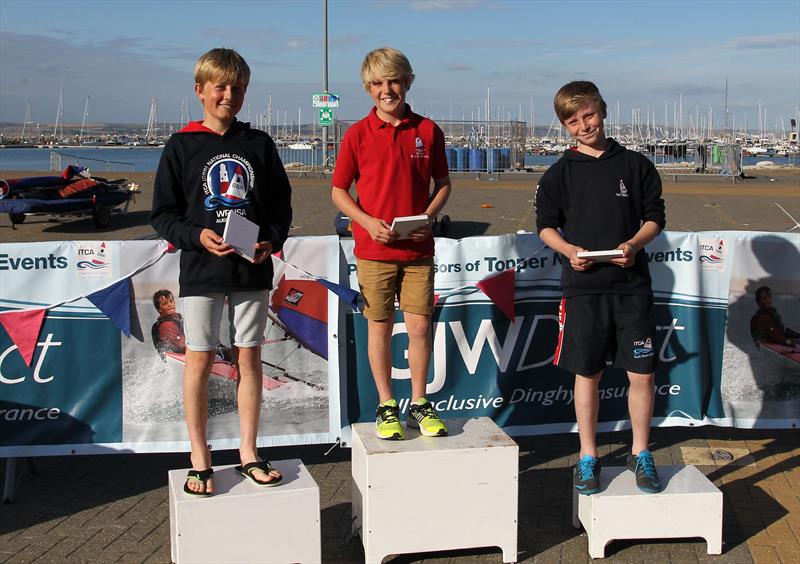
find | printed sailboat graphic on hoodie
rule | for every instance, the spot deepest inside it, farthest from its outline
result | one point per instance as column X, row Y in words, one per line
column 232, row 189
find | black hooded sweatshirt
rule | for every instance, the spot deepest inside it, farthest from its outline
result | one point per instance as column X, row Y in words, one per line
column 599, row 203
column 204, row 176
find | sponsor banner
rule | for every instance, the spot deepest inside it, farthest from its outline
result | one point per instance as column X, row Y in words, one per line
column 484, row 365
column 91, row 389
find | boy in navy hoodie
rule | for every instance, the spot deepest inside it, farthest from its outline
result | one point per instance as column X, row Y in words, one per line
column 208, row 170
column 600, row 196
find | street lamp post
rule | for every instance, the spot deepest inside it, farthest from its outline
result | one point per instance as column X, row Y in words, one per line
column 324, row 78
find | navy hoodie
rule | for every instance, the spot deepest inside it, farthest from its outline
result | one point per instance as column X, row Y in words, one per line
column 599, row 203
column 204, row 176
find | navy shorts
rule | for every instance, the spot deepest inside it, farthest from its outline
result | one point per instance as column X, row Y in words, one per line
column 596, row 328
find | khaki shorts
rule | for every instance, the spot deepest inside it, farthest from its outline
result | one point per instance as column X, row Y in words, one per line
column 381, row 281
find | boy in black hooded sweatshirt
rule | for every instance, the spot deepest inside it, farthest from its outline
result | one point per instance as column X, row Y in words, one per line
column 600, row 196
column 208, row 170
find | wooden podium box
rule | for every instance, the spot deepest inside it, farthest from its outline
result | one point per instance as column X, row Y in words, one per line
column 689, row 506
column 246, row 523
column 435, row 493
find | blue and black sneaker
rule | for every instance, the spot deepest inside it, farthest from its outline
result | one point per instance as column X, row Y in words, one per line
column 645, row 469
column 586, row 477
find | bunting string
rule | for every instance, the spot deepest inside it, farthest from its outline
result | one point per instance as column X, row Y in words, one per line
column 115, row 300
column 144, row 266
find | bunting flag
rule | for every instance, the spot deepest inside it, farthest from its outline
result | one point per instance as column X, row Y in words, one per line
column 347, row 295
column 115, row 302
column 500, row 289
column 23, row 327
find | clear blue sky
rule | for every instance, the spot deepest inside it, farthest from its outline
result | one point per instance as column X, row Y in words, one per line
column 641, row 54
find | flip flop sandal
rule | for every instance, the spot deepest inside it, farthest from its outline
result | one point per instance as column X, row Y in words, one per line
column 266, row 467
column 201, row 476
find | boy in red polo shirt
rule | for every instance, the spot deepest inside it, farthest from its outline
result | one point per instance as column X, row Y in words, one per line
column 392, row 155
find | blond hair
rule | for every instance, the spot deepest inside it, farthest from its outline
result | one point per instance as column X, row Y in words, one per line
column 221, row 64
column 386, row 63
column 574, row 95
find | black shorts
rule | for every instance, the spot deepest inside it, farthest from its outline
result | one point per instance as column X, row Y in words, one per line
column 600, row 327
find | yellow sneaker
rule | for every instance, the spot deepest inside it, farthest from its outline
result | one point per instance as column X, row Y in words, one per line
column 422, row 415
column 387, row 422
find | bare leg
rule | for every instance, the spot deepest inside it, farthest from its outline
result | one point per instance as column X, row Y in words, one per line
column 248, row 398
column 587, row 407
column 419, row 351
column 379, row 350
column 640, row 405
column 195, row 406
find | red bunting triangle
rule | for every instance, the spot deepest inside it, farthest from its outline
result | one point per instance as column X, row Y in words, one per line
column 500, row 289
column 23, row 327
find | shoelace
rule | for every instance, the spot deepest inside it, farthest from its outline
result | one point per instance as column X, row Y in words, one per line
column 586, row 468
column 647, row 465
column 425, row 410
column 388, row 414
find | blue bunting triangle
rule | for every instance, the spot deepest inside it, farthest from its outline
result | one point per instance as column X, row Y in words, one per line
column 115, row 303
column 349, row 296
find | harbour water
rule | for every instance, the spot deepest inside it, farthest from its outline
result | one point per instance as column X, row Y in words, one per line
column 145, row 159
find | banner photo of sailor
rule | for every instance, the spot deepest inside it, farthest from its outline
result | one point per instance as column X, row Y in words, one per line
column 761, row 364
column 296, row 373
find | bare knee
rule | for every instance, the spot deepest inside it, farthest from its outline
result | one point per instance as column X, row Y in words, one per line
column 198, row 363
column 417, row 326
column 641, row 381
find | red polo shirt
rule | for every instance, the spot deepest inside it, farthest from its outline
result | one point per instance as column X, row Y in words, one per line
column 392, row 167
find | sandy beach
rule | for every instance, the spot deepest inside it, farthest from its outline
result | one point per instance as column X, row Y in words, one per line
column 694, row 203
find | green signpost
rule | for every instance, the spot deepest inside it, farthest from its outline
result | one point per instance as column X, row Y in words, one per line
column 325, row 117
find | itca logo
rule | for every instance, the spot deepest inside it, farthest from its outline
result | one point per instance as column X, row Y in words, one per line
column 643, row 349
column 712, row 254
column 419, row 150
column 623, row 190
column 92, row 258
column 227, row 182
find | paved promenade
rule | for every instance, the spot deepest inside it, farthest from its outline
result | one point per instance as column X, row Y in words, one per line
column 113, row 508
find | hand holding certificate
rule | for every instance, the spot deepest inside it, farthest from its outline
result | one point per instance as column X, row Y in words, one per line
column 241, row 234
column 601, row 256
column 404, row 225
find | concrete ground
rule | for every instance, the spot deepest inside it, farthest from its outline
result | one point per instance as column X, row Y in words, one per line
column 113, row 508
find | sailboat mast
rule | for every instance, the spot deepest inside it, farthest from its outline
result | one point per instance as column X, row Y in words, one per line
column 83, row 123
column 27, row 119
column 59, row 114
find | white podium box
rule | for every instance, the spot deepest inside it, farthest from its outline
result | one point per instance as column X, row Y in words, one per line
column 688, row 506
column 467, row 481
column 246, row 523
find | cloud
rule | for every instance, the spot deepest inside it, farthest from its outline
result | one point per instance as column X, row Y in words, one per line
column 776, row 41
column 273, row 40
column 347, row 40
column 442, row 5
column 492, row 43
column 710, row 92
column 120, row 84
column 625, row 47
